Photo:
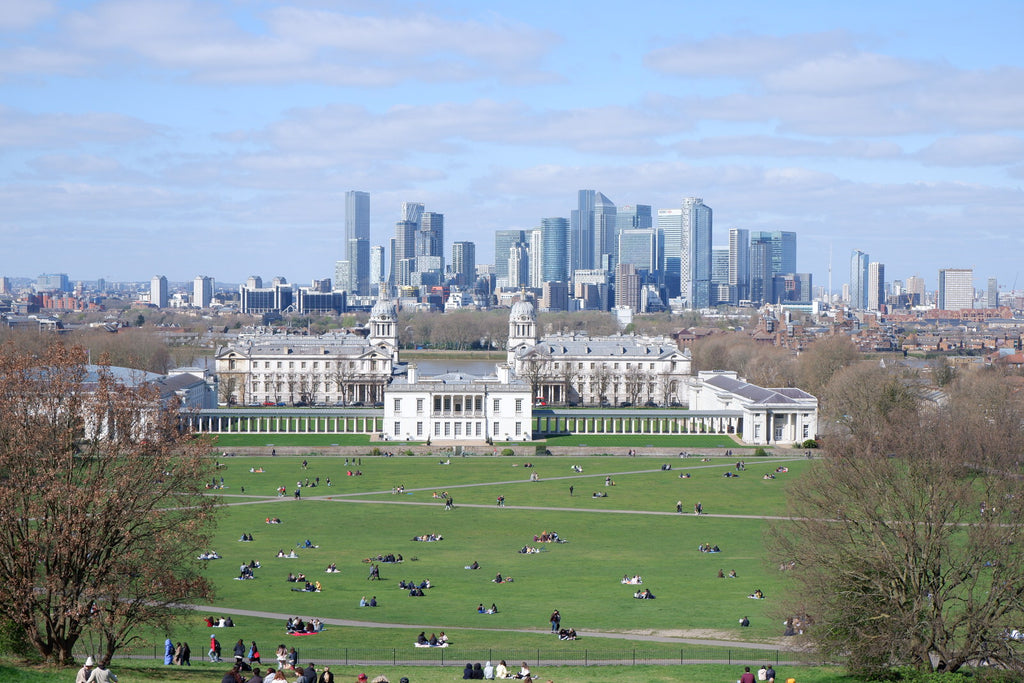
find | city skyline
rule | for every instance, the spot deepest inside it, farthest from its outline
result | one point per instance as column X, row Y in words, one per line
column 182, row 138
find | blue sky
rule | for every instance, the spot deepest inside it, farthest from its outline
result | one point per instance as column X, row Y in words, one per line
column 218, row 137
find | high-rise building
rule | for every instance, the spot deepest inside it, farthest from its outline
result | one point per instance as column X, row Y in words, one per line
column 627, row 286
column 992, row 293
column 535, row 238
column 670, row 237
column 739, row 265
column 859, row 280
column 760, row 272
column 876, row 286
column 720, row 265
column 581, row 237
column 781, row 249
column 554, row 296
column 519, row 265
column 359, row 268
column 357, row 218
column 503, row 241
column 956, row 289
column 377, row 273
column 404, row 244
column 430, row 237
column 640, row 248
column 412, row 211
column 464, row 263
column 606, row 241
column 695, row 253
column 158, row 294
column 638, row 217
column 50, row 282
column 202, row 291
column 554, row 258
column 915, row 285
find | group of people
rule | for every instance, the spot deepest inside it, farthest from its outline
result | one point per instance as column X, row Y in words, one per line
column 219, row 622
column 548, row 537
column 297, row 625
column 178, row 654
column 246, row 538
column 634, row 580
column 756, row 595
column 708, row 548
column 731, row 575
column 433, row 641
column 372, row 602
column 410, row 585
column 644, row 594
column 389, row 558
column 292, row 578
column 529, row 550
column 498, row 578
column 212, row 555
column 426, row 538
column 288, row 556
column 480, row 609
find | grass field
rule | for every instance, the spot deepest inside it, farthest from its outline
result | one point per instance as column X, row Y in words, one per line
column 675, row 441
column 635, row 530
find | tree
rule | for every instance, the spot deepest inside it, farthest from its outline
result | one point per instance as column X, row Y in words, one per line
column 102, row 504
column 905, row 541
column 823, row 359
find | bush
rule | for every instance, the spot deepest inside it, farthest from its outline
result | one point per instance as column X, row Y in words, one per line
column 760, row 452
column 507, row 451
column 13, row 641
column 375, row 451
column 810, row 443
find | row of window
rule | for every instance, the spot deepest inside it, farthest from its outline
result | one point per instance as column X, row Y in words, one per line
column 458, row 404
column 351, row 365
column 457, row 429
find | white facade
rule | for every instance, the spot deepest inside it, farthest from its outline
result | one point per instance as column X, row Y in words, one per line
column 337, row 367
column 785, row 416
column 458, row 407
column 579, row 369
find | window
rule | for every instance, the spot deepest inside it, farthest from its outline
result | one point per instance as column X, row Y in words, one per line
column 495, row 428
column 447, row 428
column 419, row 429
column 398, row 405
column 302, row 364
column 628, row 366
column 519, row 405
column 757, row 431
column 478, row 403
column 458, row 429
column 316, row 364
column 279, row 365
column 291, row 364
column 398, row 430
column 437, row 429
column 807, row 431
column 479, row 429
column 437, row 404
column 519, row 428
column 497, row 405
column 419, row 406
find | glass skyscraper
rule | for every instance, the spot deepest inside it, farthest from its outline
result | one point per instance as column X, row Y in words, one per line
column 695, row 253
column 554, row 249
column 858, row 280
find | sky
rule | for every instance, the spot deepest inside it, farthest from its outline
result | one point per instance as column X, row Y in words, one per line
column 218, row 137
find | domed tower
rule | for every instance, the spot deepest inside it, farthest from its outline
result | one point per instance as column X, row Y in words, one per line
column 384, row 327
column 522, row 329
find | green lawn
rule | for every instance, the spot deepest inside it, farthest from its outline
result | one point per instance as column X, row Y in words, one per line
column 680, row 441
column 305, row 440
column 638, row 441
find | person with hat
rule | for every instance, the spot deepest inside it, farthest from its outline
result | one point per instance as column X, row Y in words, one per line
column 83, row 673
column 362, row 678
column 101, row 674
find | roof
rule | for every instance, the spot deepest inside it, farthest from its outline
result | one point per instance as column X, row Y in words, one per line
column 759, row 395
column 625, row 346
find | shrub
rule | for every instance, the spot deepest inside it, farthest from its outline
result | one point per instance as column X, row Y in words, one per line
column 810, row 443
column 760, row 452
column 375, row 451
column 507, row 451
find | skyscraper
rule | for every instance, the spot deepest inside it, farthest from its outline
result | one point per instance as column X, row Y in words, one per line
column 670, row 235
column 637, row 217
column 158, row 291
column 695, row 253
column 627, row 286
column 202, row 291
column 640, row 248
column 581, row 237
column 554, row 257
column 503, row 241
column 404, row 244
column 956, row 289
column 876, row 286
column 720, row 265
column 357, row 227
column 992, row 293
column 464, row 263
column 377, row 268
column 858, row 280
column 535, row 238
column 429, row 247
column 739, row 265
column 606, row 243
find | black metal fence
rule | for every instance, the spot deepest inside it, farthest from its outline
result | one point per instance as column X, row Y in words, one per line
column 568, row 656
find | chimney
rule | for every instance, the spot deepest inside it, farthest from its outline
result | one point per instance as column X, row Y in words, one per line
column 412, row 373
column 504, row 373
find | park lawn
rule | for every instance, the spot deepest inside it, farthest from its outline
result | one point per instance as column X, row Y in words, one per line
column 135, row 672
column 640, row 441
column 223, row 441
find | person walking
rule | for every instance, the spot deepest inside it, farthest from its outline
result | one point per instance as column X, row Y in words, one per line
column 102, row 674
column 679, row 506
column 85, row 671
column 186, row 655
column 168, row 652
column 556, row 619
column 571, row 489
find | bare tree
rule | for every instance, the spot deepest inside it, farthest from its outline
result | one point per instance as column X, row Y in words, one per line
column 905, row 540
column 535, row 370
column 102, row 528
column 600, row 381
column 823, row 359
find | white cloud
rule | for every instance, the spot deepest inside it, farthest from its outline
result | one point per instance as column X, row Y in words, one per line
column 743, row 55
column 782, row 146
column 973, row 150
column 17, row 15
column 24, row 129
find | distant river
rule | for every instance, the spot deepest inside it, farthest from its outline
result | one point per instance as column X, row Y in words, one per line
column 470, row 367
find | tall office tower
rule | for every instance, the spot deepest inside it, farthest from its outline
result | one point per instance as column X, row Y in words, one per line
column 49, row 282
column 158, row 291
column 640, row 248
column 627, row 286
column 760, row 272
column 503, row 241
column 404, row 245
column 581, row 232
column 377, row 274
column 430, row 238
column 858, row 280
column 876, row 286
column 202, row 291
column 554, row 296
column 720, row 265
column 254, row 282
column 519, row 265
column 637, row 217
column 739, row 265
column 554, row 252
column 5, row 285
column 695, row 253
column 359, row 268
column 781, row 249
column 956, row 289
column 412, row 211
column 535, row 238
column 670, row 236
column 606, row 239
column 915, row 288
column 792, row 287
column 357, row 218
column 343, row 275
column 464, row 263
column 992, row 293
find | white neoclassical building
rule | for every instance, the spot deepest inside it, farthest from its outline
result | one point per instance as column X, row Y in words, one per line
column 786, row 415
column 458, row 407
column 341, row 366
column 578, row 369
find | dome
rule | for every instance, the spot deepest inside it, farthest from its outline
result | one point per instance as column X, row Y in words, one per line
column 383, row 310
column 522, row 311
